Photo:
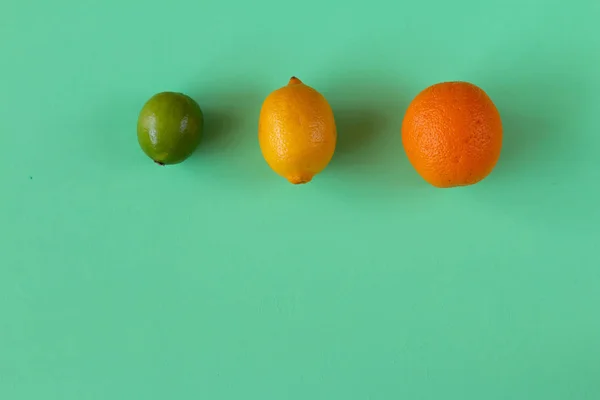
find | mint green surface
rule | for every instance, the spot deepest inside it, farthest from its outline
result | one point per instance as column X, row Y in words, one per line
column 216, row 279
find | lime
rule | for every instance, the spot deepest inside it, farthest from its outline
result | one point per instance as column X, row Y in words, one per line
column 169, row 127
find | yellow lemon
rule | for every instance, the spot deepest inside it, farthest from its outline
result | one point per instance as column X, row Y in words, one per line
column 297, row 132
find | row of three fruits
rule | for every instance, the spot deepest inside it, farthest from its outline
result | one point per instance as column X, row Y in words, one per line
column 452, row 132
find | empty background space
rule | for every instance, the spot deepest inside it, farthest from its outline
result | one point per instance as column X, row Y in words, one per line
column 217, row 279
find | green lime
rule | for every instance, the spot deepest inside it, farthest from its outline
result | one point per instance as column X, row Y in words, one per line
column 169, row 127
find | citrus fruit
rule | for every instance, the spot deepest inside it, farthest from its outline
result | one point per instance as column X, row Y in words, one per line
column 297, row 132
column 452, row 134
column 169, row 127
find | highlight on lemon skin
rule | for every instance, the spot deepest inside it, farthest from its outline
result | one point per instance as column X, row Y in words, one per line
column 452, row 134
column 297, row 132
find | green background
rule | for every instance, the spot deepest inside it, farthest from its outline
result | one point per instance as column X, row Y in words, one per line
column 217, row 279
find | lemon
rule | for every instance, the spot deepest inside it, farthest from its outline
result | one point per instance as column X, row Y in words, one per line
column 297, row 132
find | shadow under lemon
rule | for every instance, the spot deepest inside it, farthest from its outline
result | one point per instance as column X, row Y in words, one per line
column 369, row 107
column 369, row 148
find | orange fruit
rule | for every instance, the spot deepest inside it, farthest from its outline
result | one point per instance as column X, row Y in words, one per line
column 452, row 134
column 297, row 132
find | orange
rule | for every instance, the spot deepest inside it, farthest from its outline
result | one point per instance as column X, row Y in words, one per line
column 452, row 134
column 297, row 132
